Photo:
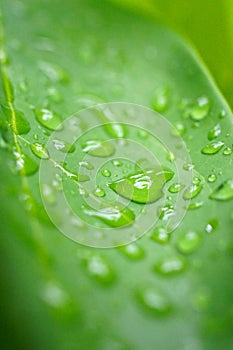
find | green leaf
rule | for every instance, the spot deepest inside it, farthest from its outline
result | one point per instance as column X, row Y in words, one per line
column 62, row 57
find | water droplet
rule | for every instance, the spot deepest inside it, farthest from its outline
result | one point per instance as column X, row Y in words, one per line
column 211, row 225
column 196, row 181
column 166, row 212
column 48, row 119
column 188, row 167
column 54, row 95
column 214, row 133
column 222, row 114
column 99, row 192
column 179, row 129
column 115, row 130
column 170, row 266
column 63, row 146
column 161, row 100
column 194, row 206
column 212, row 178
column 192, row 191
column 143, row 187
column 86, row 165
column 213, row 147
column 143, row 134
column 98, row 268
column 114, row 216
column 98, row 148
column 227, row 151
column 189, row 242
column 132, row 251
column 54, row 72
column 36, row 137
column 199, row 110
column 54, row 295
column 154, row 300
column 224, row 191
column 106, row 172
column 39, row 150
column 160, row 235
column 174, row 188
column 171, row 157
column 48, row 194
column 24, row 164
column 117, row 162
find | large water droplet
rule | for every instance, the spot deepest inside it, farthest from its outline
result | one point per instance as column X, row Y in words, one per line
column 214, row 133
column 143, row 187
column 212, row 178
column 170, row 265
column 161, row 99
column 154, row 300
column 166, row 212
column 114, row 216
column 174, row 188
column 132, row 251
column 160, row 235
column 98, row 148
column 199, row 110
column 39, row 150
column 189, row 242
column 63, row 146
column 213, row 147
column 224, row 191
column 48, row 119
column 192, row 191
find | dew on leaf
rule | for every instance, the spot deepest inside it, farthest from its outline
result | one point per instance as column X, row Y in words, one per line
column 132, row 251
column 39, row 150
column 113, row 215
column 48, row 119
column 211, row 225
column 54, row 72
column 198, row 110
column 171, row 156
column 189, row 242
column 115, row 130
column 24, row 164
column 227, row 151
column 170, row 266
column 99, row 269
column 223, row 192
column 212, row 148
column 143, row 187
column 154, row 300
column 55, row 296
column 179, row 129
column 176, row 187
column 86, row 165
column 188, row 166
column 212, row 178
column 106, row 172
column 166, row 212
column 160, row 235
column 116, row 162
column 222, row 114
column 63, row 146
column 98, row 148
column 192, row 191
column 99, row 192
column 161, row 100
column 194, row 206
column 48, row 194
column 214, row 132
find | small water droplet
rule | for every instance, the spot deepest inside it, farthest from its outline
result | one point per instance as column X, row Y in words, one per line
column 222, row 114
column 48, row 119
column 161, row 99
column 48, row 194
column 17, row 120
column 224, row 191
column 63, row 146
column 188, row 167
column 24, row 164
column 132, row 251
column 39, row 150
column 189, row 242
column 54, row 72
column 227, row 151
column 176, row 187
column 54, row 295
column 114, row 216
column 170, row 266
column 166, row 212
column 214, row 132
column 117, row 162
column 115, row 130
column 36, row 137
column 154, row 300
column 179, row 129
column 198, row 110
column 171, row 156
column 99, row 269
column 99, row 192
column 212, row 178
column 213, row 147
column 86, row 165
column 160, row 235
column 106, row 172
column 54, row 95
column 192, row 191
column 211, row 225
column 98, row 148
column 194, row 206
column 143, row 134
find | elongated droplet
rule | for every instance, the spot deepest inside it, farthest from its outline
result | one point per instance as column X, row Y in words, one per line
column 174, row 188
column 39, row 150
column 170, row 266
column 116, row 130
column 224, row 191
column 160, row 235
column 25, row 165
column 98, row 148
column 48, row 119
column 132, row 251
column 189, row 242
column 63, row 146
column 192, row 191
column 214, row 133
column 86, row 165
column 212, row 148
column 114, row 216
column 161, row 99
column 154, row 300
column 199, row 110
column 227, row 151
column 143, row 187
column 194, row 206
